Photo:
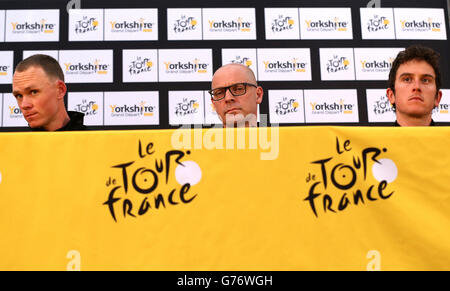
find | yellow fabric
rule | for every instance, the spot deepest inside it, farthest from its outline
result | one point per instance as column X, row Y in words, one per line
column 247, row 211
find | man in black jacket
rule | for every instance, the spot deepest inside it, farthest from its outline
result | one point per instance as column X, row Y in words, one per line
column 414, row 86
column 39, row 88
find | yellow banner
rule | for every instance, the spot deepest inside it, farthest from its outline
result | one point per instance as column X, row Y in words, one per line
column 293, row 198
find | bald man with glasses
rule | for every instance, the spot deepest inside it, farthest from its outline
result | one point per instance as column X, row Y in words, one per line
column 236, row 95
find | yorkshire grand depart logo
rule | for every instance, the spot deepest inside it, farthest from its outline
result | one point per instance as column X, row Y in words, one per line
column 376, row 66
column 189, row 67
column 349, row 178
column 152, row 180
column 87, row 24
column 327, row 25
column 141, row 25
column 4, row 70
column 140, row 109
column 378, row 23
column 140, row 65
column 185, row 23
column 131, row 24
column 6, row 66
column 286, row 106
column 185, row 65
column 32, row 25
column 131, row 108
column 442, row 108
column 282, row 23
column 421, row 26
column 283, row 64
column 15, row 112
column 89, row 68
column 186, row 107
column 420, row 23
column 229, row 23
column 11, row 113
column 340, row 107
column 292, row 65
column 43, row 26
column 236, row 25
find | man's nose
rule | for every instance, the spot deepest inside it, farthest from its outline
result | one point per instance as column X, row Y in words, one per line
column 25, row 103
column 417, row 85
column 228, row 95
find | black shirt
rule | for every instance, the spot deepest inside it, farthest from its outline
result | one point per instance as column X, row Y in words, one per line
column 75, row 123
column 431, row 124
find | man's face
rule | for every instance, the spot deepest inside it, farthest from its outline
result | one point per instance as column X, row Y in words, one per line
column 415, row 90
column 38, row 96
column 235, row 108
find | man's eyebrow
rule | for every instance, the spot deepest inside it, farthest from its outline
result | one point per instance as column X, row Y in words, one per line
column 409, row 74
column 15, row 92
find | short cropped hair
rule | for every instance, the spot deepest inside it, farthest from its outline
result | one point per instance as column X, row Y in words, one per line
column 48, row 64
column 420, row 53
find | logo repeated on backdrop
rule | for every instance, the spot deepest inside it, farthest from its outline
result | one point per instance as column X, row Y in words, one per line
column 2, row 25
column 184, row 24
column 326, row 23
column 32, row 25
column 131, row 24
column 88, row 103
column 151, row 181
column 245, row 57
column 420, row 23
column 211, row 116
column 442, row 112
column 140, row 66
column 86, row 25
column 286, row 106
column 87, row 66
column 377, row 23
column 131, row 108
column 379, row 108
column 281, row 23
column 340, row 105
column 12, row 115
column 337, row 64
column 348, row 178
column 284, row 64
column 193, row 65
column 186, row 107
column 6, row 66
column 229, row 23
column 374, row 63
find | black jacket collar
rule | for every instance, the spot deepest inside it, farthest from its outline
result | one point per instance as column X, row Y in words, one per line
column 75, row 123
column 431, row 124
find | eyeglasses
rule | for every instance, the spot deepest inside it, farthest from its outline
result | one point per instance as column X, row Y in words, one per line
column 237, row 89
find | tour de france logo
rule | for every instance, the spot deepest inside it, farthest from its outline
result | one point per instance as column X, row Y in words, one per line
column 335, row 184
column 152, row 181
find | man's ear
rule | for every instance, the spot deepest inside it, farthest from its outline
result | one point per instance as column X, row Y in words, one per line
column 390, row 95
column 437, row 100
column 62, row 89
column 259, row 95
